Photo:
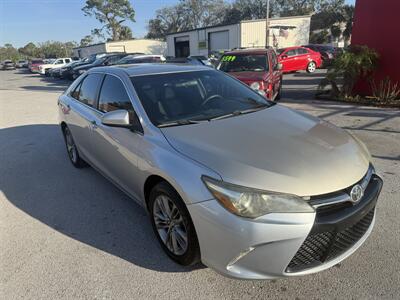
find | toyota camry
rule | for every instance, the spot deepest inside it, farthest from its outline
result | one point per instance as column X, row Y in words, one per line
column 248, row 187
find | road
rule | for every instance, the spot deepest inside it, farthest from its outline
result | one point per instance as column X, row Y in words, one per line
column 70, row 234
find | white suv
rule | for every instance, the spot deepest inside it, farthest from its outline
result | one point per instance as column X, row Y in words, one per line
column 59, row 62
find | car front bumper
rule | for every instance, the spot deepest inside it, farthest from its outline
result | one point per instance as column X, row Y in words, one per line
column 281, row 244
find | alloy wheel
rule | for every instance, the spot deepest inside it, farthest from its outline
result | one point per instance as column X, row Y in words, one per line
column 170, row 225
column 311, row 67
column 71, row 147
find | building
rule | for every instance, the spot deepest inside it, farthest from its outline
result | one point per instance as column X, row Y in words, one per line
column 129, row 46
column 283, row 32
column 375, row 24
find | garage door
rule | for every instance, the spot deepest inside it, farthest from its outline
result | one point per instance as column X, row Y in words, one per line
column 218, row 40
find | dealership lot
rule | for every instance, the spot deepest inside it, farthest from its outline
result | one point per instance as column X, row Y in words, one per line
column 91, row 241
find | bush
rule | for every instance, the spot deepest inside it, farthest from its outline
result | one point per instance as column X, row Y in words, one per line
column 386, row 91
column 357, row 63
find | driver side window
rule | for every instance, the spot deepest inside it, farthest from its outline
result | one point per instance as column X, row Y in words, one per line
column 113, row 95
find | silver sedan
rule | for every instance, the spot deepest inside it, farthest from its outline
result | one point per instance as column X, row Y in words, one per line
column 248, row 187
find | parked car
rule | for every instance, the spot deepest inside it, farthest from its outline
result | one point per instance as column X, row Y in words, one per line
column 201, row 58
column 187, row 60
column 105, row 60
column 138, row 59
column 250, row 188
column 258, row 68
column 328, row 53
column 34, row 65
column 7, row 65
column 22, row 64
column 62, row 72
column 298, row 59
column 59, row 62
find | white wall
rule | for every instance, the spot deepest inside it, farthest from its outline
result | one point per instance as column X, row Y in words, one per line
column 140, row 45
column 234, row 38
column 253, row 32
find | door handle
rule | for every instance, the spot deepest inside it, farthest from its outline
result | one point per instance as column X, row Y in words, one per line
column 94, row 124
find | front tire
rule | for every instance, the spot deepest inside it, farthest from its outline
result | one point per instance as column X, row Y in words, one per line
column 72, row 150
column 311, row 67
column 279, row 95
column 173, row 226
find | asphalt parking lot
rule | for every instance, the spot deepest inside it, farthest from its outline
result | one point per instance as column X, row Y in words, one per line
column 70, row 234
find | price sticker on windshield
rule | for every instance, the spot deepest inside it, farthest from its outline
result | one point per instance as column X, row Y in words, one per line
column 229, row 58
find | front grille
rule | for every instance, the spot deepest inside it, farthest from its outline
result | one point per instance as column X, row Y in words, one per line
column 322, row 247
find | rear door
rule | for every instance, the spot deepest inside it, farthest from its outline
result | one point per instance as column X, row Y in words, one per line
column 303, row 57
column 82, row 113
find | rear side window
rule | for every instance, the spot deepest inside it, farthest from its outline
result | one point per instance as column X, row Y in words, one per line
column 113, row 95
column 88, row 89
column 302, row 51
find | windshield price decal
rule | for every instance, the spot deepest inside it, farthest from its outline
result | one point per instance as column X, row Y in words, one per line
column 229, row 58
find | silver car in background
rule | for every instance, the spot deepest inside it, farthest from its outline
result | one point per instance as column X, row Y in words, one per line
column 248, row 187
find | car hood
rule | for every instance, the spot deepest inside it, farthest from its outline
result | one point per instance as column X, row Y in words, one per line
column 275, row 149
column 248, row 76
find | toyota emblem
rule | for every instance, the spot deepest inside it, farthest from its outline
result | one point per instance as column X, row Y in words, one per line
column 356, row 193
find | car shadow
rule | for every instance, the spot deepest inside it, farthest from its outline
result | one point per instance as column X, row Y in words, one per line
column 38, row 179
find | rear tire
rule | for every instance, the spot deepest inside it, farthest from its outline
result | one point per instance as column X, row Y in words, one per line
column 311, row 67
column 173, row 225
column 72, row 150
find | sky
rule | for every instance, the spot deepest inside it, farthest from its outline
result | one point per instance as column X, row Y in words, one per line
column 24, row 21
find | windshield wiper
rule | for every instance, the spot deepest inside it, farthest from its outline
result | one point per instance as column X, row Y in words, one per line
column 238, row 112
column 178, row 123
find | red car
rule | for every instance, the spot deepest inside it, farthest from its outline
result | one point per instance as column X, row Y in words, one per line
column 299, row 58
column 34, row 65
column 258, row 68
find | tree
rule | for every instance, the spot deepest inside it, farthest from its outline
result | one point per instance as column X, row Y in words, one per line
column 29, row 50
column 125, row 33
column 303, row 7
column 86, row 41
column 9, row 52
column 111, row 14
column 186, row 15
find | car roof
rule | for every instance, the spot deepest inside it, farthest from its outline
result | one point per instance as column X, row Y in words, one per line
column 152, row 68
column 248, row 51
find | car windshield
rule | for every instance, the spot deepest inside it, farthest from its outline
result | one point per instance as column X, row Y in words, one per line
column 100, row 60
column 173, row 99
column 37, row 61
column 279, row 51
column 244, row 62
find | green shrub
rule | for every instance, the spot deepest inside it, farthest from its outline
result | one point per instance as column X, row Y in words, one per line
column 356, row 63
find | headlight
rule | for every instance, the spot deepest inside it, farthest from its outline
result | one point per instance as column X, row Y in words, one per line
column 255, row 85
column 251, row 203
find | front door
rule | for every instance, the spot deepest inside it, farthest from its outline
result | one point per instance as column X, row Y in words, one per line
column 289, row 60
column 114, row 148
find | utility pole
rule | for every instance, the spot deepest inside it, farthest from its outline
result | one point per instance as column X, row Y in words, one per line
column 267, row 26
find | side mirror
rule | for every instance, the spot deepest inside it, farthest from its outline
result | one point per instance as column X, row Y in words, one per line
column 278, row 66
column 284, row 56
column 116, row 118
